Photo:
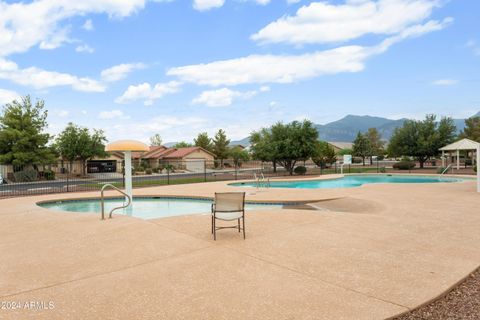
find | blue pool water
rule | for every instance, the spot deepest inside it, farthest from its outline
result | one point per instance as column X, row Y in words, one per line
column 147, row 208
column 353, row 181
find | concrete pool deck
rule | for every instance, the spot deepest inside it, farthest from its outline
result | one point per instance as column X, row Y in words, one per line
column 378, row 251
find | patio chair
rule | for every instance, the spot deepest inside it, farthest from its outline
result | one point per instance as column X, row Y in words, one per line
column 228, row 206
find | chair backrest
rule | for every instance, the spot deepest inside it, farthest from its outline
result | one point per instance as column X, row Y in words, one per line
column 229, row 201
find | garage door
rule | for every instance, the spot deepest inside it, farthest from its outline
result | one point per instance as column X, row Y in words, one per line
column 195, row 165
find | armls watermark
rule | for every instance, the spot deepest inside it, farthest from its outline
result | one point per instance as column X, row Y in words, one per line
column 33, row 305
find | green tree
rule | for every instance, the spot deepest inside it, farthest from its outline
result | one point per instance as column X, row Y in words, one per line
column 182, row 144
column 421, row 139
column 23, row 141
column 203, row 141
column 376, row 143
column 78, row 143
column 324, row 154
column 156, row 140
column 361, row 147
column 472, row 129
column 220, row 146
column 285, row 143
column 239, row 155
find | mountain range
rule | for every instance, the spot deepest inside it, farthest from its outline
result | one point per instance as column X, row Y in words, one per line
column 346, row 129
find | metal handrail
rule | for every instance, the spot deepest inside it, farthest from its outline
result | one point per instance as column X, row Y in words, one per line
column 446, row 169
column 108, row 185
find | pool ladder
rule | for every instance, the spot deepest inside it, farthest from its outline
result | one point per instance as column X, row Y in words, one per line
column 446, row 169
column 261, row 181
column 102, row 199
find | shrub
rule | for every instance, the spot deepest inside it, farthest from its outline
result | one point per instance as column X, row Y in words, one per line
column 404, row 165
column 26, row 175
column 382, row 170
column 300, row 170
column 468, row 162
column 49, row 175
column 148, row 171
column 156, row 170
column 380, row 157
column 406, row 159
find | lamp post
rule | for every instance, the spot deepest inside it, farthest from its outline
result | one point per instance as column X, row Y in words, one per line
column 127, row 146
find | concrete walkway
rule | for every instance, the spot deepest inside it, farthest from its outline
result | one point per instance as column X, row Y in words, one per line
column 378, row 251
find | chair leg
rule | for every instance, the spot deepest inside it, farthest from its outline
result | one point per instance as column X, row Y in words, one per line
column 214, row 230
column 243, row 227
column 238, row 225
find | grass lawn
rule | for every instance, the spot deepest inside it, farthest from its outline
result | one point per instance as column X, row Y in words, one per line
column 149, row 183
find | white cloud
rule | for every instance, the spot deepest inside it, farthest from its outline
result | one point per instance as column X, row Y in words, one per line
column 113, row 114
column 147, row 93
column 204, row 5
column 293, row 1
column 88, row 25
column 445, row 82
column 7, row 96
column 322, row 22
column 84, row 48
column 41, row 79
column 24, row 25
column 120, row 71
column 472, row 44
column 262, row 69
column 222, row 97
column 171, row 128
column 61, row 113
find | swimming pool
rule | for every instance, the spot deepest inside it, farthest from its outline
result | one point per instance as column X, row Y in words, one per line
column 352, row 181
column 148, row 207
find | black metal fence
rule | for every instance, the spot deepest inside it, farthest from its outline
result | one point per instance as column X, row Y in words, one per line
column 65, row 177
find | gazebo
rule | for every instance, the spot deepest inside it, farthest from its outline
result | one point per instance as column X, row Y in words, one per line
column 463, row 144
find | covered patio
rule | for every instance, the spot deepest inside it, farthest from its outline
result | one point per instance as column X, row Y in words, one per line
column 462, row 145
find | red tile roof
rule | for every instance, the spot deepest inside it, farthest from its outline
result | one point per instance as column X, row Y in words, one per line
column 182, row 152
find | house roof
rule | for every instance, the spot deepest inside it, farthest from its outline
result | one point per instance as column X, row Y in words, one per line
column 341, row 145
column 146, row 155
column 464, row 144
column 182, row 152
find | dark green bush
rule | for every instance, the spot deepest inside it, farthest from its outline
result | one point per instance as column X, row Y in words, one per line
column 156, row 170
column 26, row 175
column 49, row 175
column 404, row 165
column 148, row 171
column 468, row 162
column 300, row 170
column 382, row 170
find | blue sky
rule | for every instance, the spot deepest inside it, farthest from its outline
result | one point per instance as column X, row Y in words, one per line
column 135, row 68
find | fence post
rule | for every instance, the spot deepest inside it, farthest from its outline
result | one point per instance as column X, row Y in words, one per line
column 235, row 164
column 205, row 170
column 349, row 168
column 377, row 165
column 168, row 172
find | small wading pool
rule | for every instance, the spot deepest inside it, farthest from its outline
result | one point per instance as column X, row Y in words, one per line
column 353, row 181
column 149, row 207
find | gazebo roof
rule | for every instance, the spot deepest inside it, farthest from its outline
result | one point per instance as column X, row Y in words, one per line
column 464, row 144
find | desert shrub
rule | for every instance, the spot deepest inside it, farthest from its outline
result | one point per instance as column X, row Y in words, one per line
column 26, row 175
column 404, row 165
column 300, row 170
column 148, row 171
column 49, row 175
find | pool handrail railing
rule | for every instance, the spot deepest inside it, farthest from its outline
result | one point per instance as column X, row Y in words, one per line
column 102, row 199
